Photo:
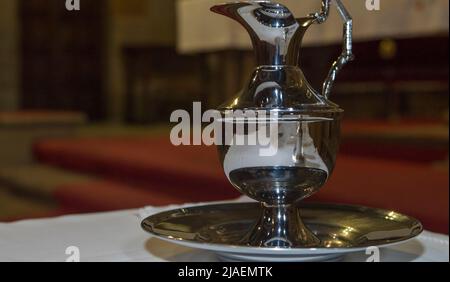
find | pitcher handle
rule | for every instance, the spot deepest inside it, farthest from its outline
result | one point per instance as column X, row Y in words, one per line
column 347, row 51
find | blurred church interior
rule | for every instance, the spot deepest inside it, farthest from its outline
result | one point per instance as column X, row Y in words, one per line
column 86, row 96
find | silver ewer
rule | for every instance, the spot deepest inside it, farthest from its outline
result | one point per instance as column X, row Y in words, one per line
column 307, row 122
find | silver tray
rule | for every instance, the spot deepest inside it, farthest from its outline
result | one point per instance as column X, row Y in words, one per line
column 342, row 229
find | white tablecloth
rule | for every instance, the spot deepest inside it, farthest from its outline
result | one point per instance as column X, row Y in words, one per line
column 201, row 30
column 117, row 237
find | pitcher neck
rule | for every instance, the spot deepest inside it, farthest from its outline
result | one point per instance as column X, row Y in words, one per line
column 276, row 35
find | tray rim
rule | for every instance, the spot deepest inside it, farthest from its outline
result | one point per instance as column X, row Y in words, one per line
column 236, row 249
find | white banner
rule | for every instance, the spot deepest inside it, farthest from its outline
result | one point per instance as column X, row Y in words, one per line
column 201, row 30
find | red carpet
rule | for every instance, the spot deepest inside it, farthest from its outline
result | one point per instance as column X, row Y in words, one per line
column 151, row 171
column 418, row 141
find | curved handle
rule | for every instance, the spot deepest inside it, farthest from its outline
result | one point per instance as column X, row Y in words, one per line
column 347, row 51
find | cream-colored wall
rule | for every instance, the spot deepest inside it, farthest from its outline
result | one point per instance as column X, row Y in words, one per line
column 9, row 55
column 134, row 23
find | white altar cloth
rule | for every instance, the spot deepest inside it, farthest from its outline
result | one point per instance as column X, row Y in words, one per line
column 117, row 237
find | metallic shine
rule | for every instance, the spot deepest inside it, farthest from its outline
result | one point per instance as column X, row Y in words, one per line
column 307, row 150
column 337, row 229
column 277, row 36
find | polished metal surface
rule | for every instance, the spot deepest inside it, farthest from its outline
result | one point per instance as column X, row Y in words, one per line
column 337, row 229
column 347, row 50
column 308, row 123
column 303, row 162
column 278, row 82
column 275, row 33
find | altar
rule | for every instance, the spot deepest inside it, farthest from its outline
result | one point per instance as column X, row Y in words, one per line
column 117, row 237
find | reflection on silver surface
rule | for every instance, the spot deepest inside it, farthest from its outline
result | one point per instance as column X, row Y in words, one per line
column 339, row 229
column 300, row 166
column 308, row 123
column 277, row 35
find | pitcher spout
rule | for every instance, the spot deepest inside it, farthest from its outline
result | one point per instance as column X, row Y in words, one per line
column 275, row 33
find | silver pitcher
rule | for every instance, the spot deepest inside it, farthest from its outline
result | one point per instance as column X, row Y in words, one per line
column 307, row 122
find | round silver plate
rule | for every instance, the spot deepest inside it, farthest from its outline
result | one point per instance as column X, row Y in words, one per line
column 342, row 229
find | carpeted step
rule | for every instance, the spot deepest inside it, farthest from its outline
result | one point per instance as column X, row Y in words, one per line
column 144, row 161
column 53, row 191
column 19, row 130
column 16, row 206
column 420, row 191
column 106, row 195
column 27, row 191
column 413, row 141
column 194, row 172
column 37, row 180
